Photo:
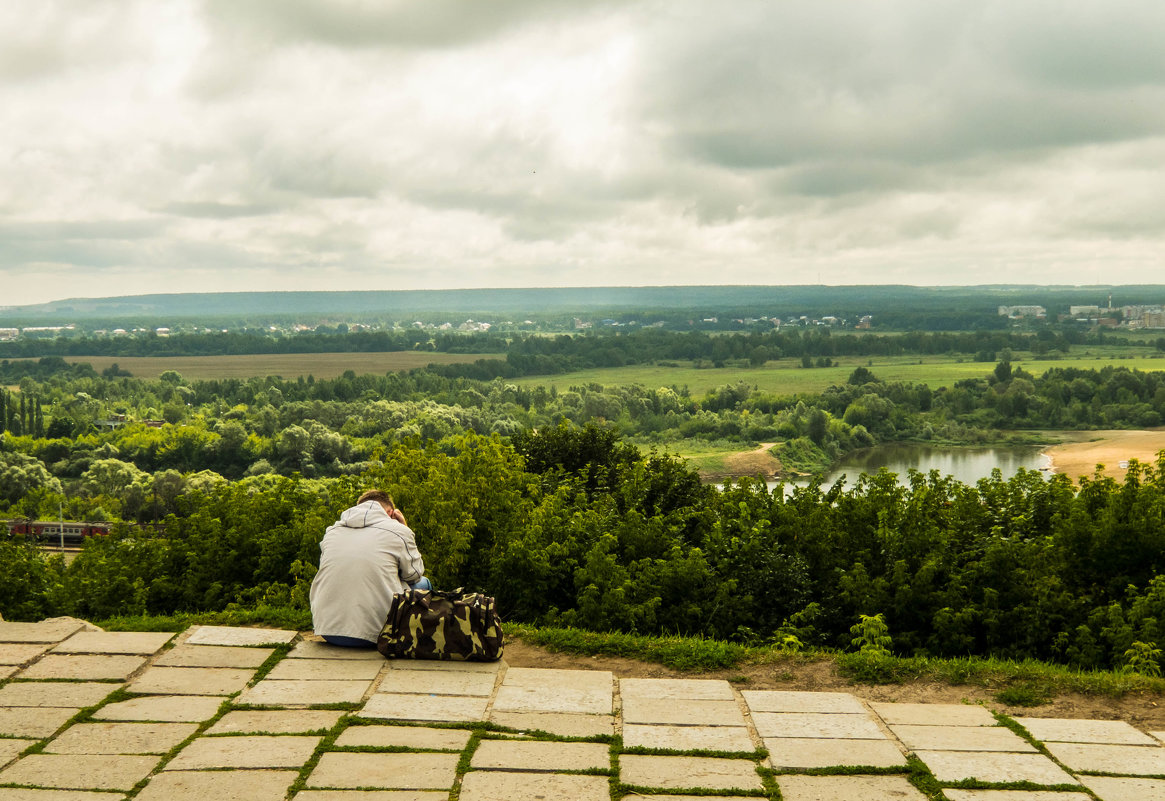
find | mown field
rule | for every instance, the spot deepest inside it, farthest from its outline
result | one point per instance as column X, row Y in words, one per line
column 286, row 365
column 788, row 377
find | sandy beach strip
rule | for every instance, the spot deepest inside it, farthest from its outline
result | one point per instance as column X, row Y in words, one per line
column 1086, row 449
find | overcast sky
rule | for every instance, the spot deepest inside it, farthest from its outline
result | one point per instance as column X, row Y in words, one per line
column 198, row 145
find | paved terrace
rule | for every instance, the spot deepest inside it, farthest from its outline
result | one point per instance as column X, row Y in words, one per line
column 220, row 713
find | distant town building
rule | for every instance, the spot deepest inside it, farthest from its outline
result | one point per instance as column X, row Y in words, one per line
column 1084, row 311
column 865, row 322
column 9, row 334
column 1018, row 312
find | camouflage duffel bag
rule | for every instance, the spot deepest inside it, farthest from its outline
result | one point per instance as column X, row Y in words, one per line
column 426, row 624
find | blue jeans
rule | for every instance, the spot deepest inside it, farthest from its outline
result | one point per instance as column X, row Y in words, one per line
column 356, row 642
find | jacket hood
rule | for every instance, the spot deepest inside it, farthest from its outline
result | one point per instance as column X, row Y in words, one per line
column 368, row 513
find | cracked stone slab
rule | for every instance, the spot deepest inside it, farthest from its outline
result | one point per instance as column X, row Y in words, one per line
column 28, row 794
column 438, row 664
column 686, row 689
column 816, row 724
column 955, row 766
column 404, row 736
column 79, row 772
column 961, row 738
column 676, row 772
column 432, row 682
column 437, row 708
column 598, row 680
column 318, row 649
column 389, row 771
column 584, row 700
column 490, row 785
column 219, row 785
column 934, row 714
column 226, row 656
column 230, row 635
column 798, row 752
column 371, row 795
column 10, row 749
column 540, row 756
column 790, row 701
column 7, row 670
column 1134, row 760
column 304, row 693
column 563, row 724
column 46, row 631
column 681, row 713
column 289, row 751
column 55, row 693
column 83, row 666
column 120, row 738
column 1018, row 795
column 688, row 738
column 1065, row 730
column 1111, row 788
column 38, row 722
column 191, row 681
column 142, row 643
column 847, row 788
column 276, row 721
column 325, row 669
column 162, row 708
column 19, row 653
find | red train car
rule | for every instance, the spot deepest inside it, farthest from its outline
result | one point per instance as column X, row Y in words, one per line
column 50, row 531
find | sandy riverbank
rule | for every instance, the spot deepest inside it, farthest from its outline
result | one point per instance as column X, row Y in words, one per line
column 1081, row 451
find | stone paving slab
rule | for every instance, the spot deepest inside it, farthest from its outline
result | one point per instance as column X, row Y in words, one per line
column 676, row 772
column 961, row 738
column 162, row 708
column 318, row 649
column 669, row 797
column 230, row 635
column 371, row 795
column 848, row 788
column 226, row 656
column 290, row 751
column 540, row 756
column 802, row 752
column 79, row 772
column 143, row 643
column 1110, row 788
column 437, row 682
column 686, row 689
column 46, row 631
column 28, row 794
column 789, row 701
column 489, row 785
column 404, row 736
column 55, row 693
column 191, row 681
column 8, row 670
column 436, row 708
column 584, row 701
column 305, row 693
column 434, row 664
column 688, row 738
column 682, row 713
column 19, row 653
column 559, row 723
column 120, row 738
column 389, row 771
column 934, row 714
column 955, row 766
column 554, row 678
column 38, row 722
column 275, row 721
column 83, row 666
column 1130, row 760
column 219, row 785
column 816, row 724
column 325, row 670
column 1014, row 795
column 10, row 749
column 1065, row 730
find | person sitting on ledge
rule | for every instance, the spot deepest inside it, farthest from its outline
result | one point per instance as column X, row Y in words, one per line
column 366, row 557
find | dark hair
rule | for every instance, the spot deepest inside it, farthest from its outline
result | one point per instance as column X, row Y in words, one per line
column 380, row 496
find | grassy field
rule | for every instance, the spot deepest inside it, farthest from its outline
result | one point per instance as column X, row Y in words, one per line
column 788, row 377
column 287, row 365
